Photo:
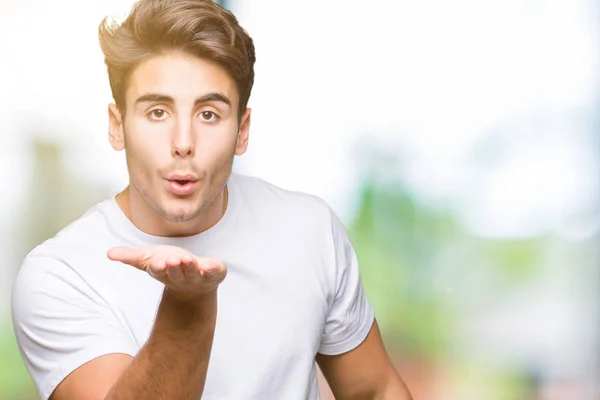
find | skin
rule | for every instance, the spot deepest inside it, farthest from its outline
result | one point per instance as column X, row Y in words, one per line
column 178, row 136
column 181, row 117
column 364, row 373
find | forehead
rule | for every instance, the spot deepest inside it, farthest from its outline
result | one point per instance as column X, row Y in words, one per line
column 180, row 76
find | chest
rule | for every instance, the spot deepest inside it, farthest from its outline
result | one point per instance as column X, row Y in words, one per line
column 266, row 309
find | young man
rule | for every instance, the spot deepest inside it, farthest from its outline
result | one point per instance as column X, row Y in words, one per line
column 278, row 263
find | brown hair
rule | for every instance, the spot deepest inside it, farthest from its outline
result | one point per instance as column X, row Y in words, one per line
column 200, row 28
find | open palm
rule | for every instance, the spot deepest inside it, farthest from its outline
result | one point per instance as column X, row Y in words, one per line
column 181, row 271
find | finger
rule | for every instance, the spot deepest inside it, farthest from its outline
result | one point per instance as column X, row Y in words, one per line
column 158, row 274
column 187, row 259
column 175, row 274
column 126, row 255
column 157, row 267
column 173, row 261
column 191, row 271
column 212, row 269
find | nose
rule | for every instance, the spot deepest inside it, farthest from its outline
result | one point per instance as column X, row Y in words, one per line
column 183, row 144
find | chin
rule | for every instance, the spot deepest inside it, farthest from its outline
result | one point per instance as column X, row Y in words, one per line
column 181, row 214
column 178, row 218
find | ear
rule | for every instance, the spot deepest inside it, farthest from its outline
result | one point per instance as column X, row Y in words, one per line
column 115, row 128
column 242, row 139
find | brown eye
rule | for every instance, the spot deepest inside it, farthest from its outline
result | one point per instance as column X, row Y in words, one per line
column 208, row 116
column 158, row 113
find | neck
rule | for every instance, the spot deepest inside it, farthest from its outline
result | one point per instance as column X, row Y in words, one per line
column 146, row 219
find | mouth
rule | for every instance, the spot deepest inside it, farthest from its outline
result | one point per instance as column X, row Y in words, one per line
column 182, row 179
column 182, row 185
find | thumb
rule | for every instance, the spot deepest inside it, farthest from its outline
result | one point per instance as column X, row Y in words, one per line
column 126, row 255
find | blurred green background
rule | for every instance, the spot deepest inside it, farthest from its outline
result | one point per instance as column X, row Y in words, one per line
column 459, row 142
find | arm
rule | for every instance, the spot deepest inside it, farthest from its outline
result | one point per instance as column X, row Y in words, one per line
column 364, row 373
column 174, row 361
column 171, row 365
column 352, row 356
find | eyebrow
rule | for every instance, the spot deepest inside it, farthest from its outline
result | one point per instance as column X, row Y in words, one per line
column 157, row 97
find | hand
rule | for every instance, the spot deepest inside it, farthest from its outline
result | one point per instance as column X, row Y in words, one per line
column 184, row 273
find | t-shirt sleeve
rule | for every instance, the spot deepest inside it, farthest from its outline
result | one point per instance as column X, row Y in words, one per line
column 350, row 315
column 60, row 323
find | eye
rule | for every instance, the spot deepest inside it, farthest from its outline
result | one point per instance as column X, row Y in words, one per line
column 158, row 114
column 209, row 116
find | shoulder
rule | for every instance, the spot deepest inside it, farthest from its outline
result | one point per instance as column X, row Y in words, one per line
column 82, row 235
column 62, row 303
column 292, row 217
column 262, row 195
column 64, row 259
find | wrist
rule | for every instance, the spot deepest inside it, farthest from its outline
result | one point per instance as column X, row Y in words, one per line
column 185, row 311
column 184, row 320
column 189, row 300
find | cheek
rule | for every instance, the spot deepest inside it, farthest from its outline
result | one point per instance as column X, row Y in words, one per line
column 143, row 151
column 216, row 156
column 217, row 143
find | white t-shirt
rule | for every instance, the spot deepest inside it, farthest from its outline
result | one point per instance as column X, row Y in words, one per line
column 293, row 289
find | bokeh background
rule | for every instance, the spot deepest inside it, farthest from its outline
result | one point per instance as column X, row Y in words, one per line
column 459, row 141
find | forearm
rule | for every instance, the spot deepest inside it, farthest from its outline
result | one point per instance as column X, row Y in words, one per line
column 173, row 362
column 395, row 389
column 385, row 387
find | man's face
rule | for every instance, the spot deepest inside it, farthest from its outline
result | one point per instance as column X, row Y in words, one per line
column 180, row 132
